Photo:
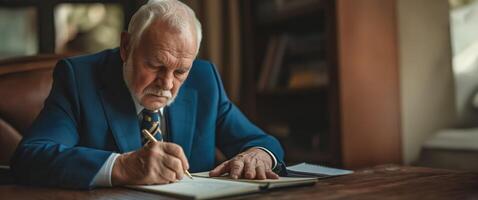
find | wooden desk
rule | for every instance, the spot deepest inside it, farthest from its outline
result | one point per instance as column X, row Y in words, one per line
column 381, row 182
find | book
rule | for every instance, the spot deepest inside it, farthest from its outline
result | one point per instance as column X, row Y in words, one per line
column 204, row 187
column 272, row 63
column 278, row 60
column 308, row 75
column 273, row 11
column 267, row 63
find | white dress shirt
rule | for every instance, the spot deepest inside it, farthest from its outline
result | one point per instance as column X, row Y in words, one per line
column 103, row 177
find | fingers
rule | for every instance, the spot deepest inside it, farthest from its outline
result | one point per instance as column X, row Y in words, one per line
column 251, row 164
column 236, row 166
column 176, row 151
column 249, row 169
column 261, row 173
column 219, row 170
column 156, row 163
column 167, row 174
column 271, row 175
column 264, row 172
column 173, row 164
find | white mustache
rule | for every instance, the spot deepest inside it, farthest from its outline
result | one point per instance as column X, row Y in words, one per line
column 159, row 92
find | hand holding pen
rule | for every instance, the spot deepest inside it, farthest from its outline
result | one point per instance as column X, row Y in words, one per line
column 155, row 163
column 151, row 138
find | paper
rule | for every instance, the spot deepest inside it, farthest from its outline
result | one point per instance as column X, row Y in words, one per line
column 317, row 170
column 201, row 188
column 266, row 183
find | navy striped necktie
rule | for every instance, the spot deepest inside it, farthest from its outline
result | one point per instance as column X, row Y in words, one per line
column 151, row 123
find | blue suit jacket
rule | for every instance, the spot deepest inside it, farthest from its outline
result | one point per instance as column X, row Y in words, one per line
column 90, row 113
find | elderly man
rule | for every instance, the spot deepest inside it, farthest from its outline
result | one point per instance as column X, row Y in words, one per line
column 89, row 131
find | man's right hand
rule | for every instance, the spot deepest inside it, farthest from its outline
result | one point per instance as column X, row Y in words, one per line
column 155, row 163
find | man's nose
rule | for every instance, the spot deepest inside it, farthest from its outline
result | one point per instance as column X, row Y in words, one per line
column 166, row 81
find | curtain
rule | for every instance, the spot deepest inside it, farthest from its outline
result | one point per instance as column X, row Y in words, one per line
column 221, row 42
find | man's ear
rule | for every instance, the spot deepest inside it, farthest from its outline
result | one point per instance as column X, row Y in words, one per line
column 124, row 44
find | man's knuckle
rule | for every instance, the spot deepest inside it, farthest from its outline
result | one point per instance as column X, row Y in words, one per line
column 170, row 175
column 249, row 172
column 237, row 164
column 176, row 163
column 155, row 154
column 261, row 163
column 180, row 149
column 175, row 148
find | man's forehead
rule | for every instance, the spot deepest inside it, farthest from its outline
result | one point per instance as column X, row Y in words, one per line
column 164, row 33
column 163, row 43
column 163, row 54
column 165, row 58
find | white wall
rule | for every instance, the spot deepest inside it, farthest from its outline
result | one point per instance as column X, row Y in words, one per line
column 426, row 79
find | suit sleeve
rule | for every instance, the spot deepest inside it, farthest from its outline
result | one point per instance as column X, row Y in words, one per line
column 48, row 154
column 235, row 133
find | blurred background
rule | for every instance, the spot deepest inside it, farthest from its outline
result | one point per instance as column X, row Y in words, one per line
column 344, row 83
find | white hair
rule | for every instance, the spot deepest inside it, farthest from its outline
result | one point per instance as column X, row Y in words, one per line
column 173, row 12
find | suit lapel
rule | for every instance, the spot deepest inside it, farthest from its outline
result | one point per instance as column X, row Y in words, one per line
column 182, row 117
column 123, row 122
column 119, row 105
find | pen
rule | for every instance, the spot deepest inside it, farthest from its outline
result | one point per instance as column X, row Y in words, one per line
column 151, row 138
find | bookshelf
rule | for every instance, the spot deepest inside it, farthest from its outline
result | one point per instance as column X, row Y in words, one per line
column 290, row 76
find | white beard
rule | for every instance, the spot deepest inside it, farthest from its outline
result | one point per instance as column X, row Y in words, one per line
column 127, row 70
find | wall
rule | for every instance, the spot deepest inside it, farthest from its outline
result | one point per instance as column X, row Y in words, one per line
column 369, row 82
column 426, row 81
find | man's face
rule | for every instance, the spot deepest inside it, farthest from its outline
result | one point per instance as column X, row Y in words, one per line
column 159, row 65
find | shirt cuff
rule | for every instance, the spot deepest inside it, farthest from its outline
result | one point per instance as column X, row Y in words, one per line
column 103, row 177
column 274, row 160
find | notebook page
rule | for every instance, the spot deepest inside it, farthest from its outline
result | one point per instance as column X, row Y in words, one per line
column 269, row 183
column 201, row 188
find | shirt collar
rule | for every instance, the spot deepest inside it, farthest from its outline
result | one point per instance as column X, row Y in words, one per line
column 140, row 108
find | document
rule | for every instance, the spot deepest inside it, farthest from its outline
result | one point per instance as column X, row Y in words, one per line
column 267, row 183
column 306, row 169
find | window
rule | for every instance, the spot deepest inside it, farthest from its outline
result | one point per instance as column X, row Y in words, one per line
column 87, row 28
column 19, row 32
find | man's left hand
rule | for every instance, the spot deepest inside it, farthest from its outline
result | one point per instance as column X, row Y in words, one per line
column 254, row 163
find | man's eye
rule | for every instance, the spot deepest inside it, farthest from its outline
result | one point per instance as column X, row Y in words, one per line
column 155, row 67
column 180, row 72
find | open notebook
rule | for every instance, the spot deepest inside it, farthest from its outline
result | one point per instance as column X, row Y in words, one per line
column 267, row 183
column 203, row 187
